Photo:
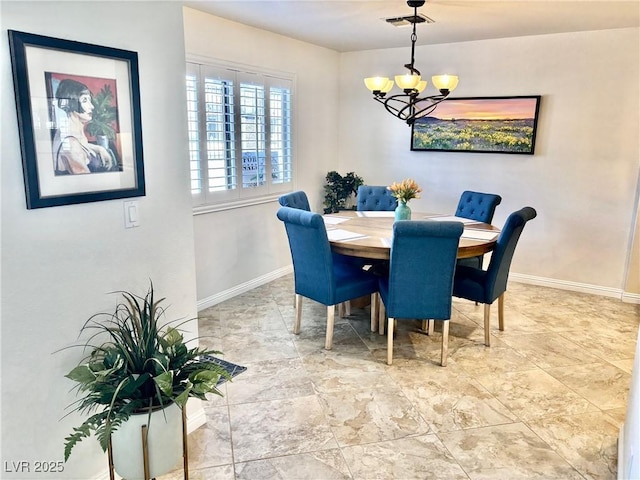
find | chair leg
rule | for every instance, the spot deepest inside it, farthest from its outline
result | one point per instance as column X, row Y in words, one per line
column 501, row 312
column 487, row 324
column 331, row 312
column 375, row 305
column 445, row 343
column 341, row 309
column 427, row 327
column 390, row 341
column 347, row 308
column 298, row 305
column 382, row 313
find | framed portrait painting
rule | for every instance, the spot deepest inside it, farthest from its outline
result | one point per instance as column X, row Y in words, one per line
column 479, row 124
column 79, row 120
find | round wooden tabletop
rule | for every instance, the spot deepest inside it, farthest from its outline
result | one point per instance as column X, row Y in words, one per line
column 368, row 234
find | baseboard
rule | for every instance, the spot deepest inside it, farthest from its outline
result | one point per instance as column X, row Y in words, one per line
column 626, row 297
column 631, row 297
column 242, row 288
column 576, row 287
column 195, row 419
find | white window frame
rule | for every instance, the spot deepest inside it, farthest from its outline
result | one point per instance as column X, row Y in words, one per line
column 209, row 201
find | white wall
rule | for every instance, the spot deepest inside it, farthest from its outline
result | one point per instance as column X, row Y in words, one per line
column 59, row 263
column 234, row 247
column 582, row 179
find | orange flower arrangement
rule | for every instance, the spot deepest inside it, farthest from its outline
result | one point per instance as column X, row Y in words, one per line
column 405, row 190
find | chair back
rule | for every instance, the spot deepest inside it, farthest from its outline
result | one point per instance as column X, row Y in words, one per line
column 296, row 199
column 375, row 198
column 498, row 271
column 478, row 206
column 421, row 268
column 311, row 254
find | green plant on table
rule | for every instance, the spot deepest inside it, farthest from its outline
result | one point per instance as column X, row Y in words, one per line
column 339, row 189
column 140, row 364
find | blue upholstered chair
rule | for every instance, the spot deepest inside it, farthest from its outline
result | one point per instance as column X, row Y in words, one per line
column 486, row 286
column 299, row 200
column 480, row 207
column 316, row 275
column 375, row 198
column 296, row 199
column 423, row 259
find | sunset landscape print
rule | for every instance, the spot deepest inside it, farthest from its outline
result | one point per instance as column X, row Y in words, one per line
column 480, row 124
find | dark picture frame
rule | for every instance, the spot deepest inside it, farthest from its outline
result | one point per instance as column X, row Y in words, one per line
column 479, row 125
column 78, row 108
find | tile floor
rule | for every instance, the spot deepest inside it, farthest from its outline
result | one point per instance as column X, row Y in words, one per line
column 545, row 401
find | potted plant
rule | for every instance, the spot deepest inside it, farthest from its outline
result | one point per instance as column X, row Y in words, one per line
column 103, row 117
column 137, row 367
column 338, row 190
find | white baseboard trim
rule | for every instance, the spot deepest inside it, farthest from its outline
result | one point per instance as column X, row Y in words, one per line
column 576, row 287
column 626, row 297
column 242, row 288
column 631, row 297
column 196, row 418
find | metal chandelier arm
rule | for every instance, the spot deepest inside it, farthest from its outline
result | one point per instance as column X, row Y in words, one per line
column 408, row 107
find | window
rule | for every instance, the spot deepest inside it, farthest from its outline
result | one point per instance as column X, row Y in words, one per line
column 240, row 138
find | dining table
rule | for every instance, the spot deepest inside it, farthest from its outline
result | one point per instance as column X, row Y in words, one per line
column 368, row 234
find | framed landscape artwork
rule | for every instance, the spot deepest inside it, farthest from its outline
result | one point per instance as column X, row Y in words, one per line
column 479, row 124
column 78, row 109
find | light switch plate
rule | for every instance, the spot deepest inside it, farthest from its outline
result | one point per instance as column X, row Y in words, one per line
column 131, row 214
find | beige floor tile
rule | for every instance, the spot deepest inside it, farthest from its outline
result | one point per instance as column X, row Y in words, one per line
column 332, row 371
column 625, row 365
column 604, row 385
column 270, row 380
column 278, row 427
column 493, row 360
column 324, row 464
column 510, row 451
column 312, row 339
column 366, row 416
column 545, row 401
column 449, row 401
column 606, row 343
column 259, row 346
column 223, row 472
column 534, row 393
column 617, row 414
column 549, row 350
column 210, row 445
column 587, row 441
column 420, row 457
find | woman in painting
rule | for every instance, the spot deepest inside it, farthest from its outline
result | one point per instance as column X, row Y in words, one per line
column 73, row 154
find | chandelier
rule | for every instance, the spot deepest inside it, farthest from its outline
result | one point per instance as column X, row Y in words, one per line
column 409, row 105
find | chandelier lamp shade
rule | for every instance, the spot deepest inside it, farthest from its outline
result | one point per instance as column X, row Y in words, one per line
column 409, row 105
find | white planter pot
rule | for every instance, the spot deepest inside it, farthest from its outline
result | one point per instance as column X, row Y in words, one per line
column 164, row 443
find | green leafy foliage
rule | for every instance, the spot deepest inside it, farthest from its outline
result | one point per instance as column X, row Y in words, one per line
column 338, row 189
column 140, row 364
column 103, row 115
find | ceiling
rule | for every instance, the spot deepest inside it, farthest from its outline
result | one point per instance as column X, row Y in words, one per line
column 357, row 25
